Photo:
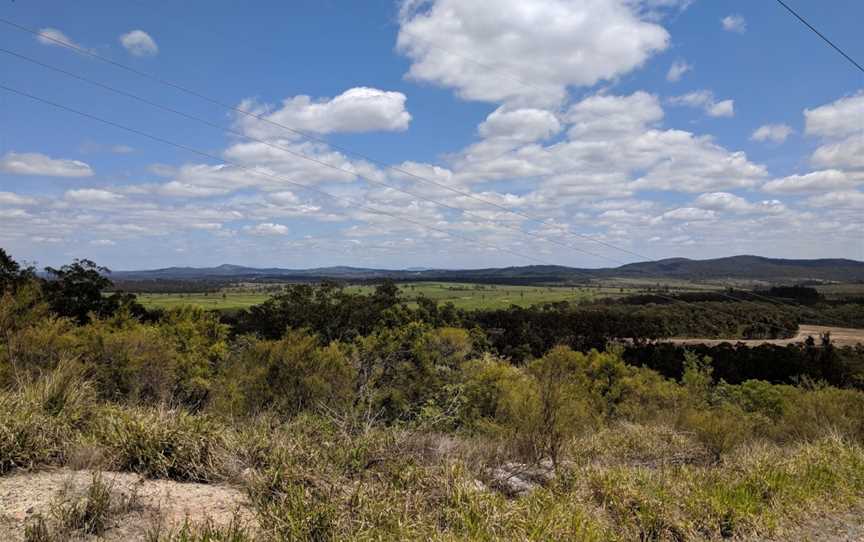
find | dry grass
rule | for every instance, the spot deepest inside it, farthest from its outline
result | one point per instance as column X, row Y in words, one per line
column 326, row 477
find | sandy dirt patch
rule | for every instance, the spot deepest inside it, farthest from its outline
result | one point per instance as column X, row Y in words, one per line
column 25, row 494
column 840, row 336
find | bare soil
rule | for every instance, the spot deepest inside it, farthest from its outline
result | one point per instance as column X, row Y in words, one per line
column 158, row 502
column 840, row 336
column 843, row 526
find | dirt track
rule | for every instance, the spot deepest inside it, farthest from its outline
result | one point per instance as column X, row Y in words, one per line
column 840, row 336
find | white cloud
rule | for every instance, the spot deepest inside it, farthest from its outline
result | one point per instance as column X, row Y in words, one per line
column 677, row 71
column 102, row 243
column 689, row 214
column 599, row 117
column 92, row 196
column 816, row 181
column 359, row 109
column 837, row 119
column 704, row 99
column 841, row 126
column 726, row 108
column 10, row 198
column 734, row 23
column 846, row 154
column 139, row 43
column 724, row 201
column 283, row 198
column 777, row 133
column 32, row 163
column 849, row 199
column 520, row 125
column 614, row 147
column 525, row 51
column 50, row 37
column 267, row 228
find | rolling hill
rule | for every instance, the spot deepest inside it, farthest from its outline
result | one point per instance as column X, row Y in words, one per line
column 734, row 267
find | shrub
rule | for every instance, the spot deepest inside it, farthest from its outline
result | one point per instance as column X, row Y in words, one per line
column 131, row 362
column 552, row 406
column 289, row 376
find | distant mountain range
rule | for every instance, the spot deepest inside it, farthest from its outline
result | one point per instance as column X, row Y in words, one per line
column 735, row 267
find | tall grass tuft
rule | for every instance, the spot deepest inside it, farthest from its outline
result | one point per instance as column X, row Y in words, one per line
column 160, row 443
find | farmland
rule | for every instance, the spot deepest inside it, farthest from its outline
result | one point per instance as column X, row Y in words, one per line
column 462, row 295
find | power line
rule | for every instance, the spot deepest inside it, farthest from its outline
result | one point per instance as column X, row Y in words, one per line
column 821, row 35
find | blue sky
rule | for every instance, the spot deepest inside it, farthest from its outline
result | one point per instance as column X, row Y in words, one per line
column 576, row 132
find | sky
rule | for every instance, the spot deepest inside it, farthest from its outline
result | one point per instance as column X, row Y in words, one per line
column 428, row 133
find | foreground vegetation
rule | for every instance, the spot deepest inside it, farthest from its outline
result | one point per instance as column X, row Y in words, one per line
column 363, row 419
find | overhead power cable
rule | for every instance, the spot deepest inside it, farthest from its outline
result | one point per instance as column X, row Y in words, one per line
column 821, row 35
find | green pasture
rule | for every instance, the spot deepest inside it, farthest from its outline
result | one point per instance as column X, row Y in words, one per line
column 464, row 296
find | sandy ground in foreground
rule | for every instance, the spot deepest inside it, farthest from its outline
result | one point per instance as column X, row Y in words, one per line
column 25, row 494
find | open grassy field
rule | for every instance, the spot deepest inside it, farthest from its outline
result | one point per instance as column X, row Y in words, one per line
column 228, row 300
column 487, row 296
column 834, row 291
column 462, row 295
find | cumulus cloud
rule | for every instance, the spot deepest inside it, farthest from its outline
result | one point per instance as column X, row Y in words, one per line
column 847, row 199
column 360, row 109
column 704, row 99
column 847, row 154
column 689, row 214
column 614, row 147
column 837, row 119
column 677, row 71
column 267, row 228
column 776, row 133
column 10, row 198
column 139, row 43
column 816, row 181
column 33, row 163
column 841, row 126
column 734, row 23
column 726, row 202
column 92, row 196
column 603, row 116
column 521, row 124
column 526, row 51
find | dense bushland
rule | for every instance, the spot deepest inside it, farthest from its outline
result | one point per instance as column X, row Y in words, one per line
column 386, row 422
